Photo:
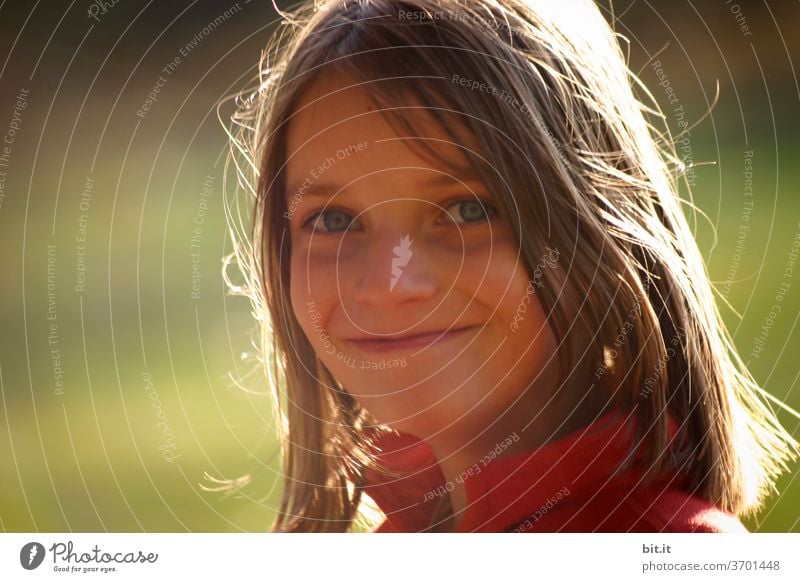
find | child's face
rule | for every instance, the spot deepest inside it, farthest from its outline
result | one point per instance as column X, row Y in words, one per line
column 357, row 287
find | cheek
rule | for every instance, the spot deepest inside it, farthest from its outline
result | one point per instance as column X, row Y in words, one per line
column 497, row 278
column 511, row 295
column 312, row 289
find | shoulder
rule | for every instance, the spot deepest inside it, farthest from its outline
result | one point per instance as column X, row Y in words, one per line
column 675, row 510
column 650, row 510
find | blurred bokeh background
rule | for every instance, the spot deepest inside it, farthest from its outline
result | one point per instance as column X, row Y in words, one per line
column 125, row 382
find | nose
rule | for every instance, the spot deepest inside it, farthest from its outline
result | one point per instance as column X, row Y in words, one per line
column 393, row 269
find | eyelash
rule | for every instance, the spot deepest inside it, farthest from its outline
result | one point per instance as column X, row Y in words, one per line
column 489, row 209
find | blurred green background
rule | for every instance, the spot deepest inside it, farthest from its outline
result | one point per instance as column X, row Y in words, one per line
column 125, row 389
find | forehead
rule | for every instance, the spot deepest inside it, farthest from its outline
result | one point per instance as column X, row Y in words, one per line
column 336, row 120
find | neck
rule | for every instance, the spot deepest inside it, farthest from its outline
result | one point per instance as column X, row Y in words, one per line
column 511, row 434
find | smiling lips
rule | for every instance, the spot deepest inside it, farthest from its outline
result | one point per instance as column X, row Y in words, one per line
column 378, row 345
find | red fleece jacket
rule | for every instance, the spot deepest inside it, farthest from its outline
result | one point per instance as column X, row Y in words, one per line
column 568, row 485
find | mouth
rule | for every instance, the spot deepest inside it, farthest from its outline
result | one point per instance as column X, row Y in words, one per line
column 374, row 345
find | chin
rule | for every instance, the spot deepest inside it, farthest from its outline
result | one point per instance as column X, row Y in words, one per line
column 407, row 412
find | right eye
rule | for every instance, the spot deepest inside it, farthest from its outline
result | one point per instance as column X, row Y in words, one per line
column 329, row 221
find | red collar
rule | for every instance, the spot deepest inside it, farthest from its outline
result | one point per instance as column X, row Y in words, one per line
column 508, row 489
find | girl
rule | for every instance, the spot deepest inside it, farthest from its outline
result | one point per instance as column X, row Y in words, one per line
column 482, row 306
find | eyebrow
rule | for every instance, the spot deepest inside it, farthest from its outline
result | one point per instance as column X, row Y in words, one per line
column 327, row 189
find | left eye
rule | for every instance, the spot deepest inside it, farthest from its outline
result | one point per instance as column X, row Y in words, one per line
column 470, row 210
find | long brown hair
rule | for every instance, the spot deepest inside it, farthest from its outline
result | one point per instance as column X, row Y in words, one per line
column 565, row 129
